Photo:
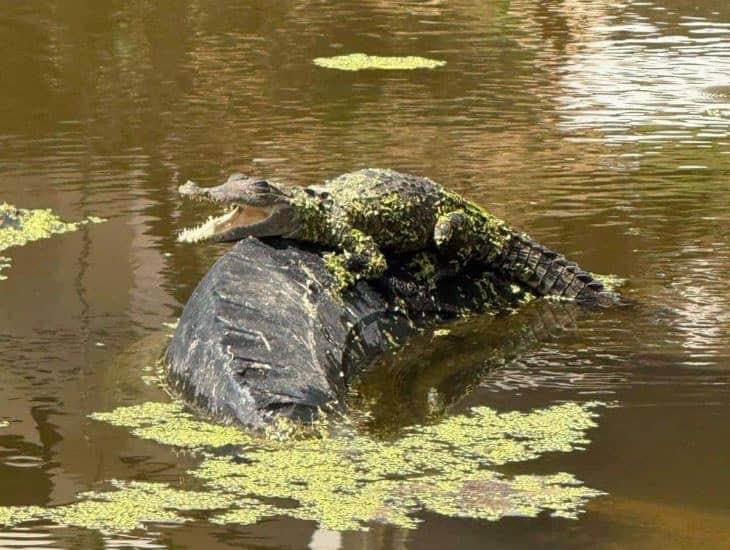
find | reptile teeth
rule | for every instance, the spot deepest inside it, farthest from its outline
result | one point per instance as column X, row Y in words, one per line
column 204, row 230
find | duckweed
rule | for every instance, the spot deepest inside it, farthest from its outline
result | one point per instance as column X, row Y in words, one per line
column 346, row 481
column 19, row 227
column 132, row 504
column 15, row 515
column 172, row 424
column 360, row 61
column 343, row 481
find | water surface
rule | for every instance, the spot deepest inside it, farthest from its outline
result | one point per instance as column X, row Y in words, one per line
column 601, row 128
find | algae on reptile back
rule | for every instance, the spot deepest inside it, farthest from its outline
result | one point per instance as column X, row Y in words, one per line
column 361, row 61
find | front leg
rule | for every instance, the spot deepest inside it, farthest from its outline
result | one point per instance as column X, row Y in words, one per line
column 451, row 236
column 360, row 258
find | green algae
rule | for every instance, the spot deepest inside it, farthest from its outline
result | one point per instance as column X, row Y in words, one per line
column 127, row 507
column 11, row 516
column 486, row 496
column 343, row 481
column 347, row 481
column 361, row 61
column 423, row 266
column 131, row 505
column 24, row 226
column 171, row 424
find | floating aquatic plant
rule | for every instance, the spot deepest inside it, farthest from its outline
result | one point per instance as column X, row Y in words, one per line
column 171, row 424
column 124, row 509
column 19, row 227
column 343, row 481
column 360, row 61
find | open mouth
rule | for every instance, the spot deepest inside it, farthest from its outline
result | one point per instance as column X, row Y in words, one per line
column 237, row 223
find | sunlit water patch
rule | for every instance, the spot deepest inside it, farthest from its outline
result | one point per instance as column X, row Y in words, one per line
column 641, row 81
column 344, row 481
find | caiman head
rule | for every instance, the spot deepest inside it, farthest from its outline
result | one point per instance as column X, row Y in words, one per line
column 255, row 207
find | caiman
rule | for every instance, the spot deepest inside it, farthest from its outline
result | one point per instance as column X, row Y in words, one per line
column 368, row 214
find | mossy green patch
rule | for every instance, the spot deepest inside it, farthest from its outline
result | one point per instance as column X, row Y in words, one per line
column 131, row 505
column 15, row 515
column 19, row 227
column 346, row 481
column 343, row 481
column 172, row 424
column 361, row 61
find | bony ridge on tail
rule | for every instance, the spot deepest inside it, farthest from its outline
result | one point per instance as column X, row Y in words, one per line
column 367, row 214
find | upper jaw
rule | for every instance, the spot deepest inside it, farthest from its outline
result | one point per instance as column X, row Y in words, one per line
column 220, row 193
column 192, row 190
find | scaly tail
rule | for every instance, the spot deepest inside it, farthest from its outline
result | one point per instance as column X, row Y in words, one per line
column 546, row 272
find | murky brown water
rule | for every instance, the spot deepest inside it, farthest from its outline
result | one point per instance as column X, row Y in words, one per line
column 602, row 128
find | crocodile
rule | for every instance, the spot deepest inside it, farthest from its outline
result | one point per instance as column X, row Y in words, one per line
column 371, row 213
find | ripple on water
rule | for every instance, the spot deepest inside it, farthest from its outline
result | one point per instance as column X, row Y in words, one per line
column 639, row 81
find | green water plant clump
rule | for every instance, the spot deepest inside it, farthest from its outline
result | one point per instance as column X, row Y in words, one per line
column 361, row 61
column 172, row 424
column 19, row 226
column 125, row 508
column 343, row 481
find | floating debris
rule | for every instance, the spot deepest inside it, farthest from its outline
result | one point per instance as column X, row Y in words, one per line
column 361, row 61
column 172, row 325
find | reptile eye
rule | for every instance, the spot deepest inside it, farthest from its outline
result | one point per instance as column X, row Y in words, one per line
column 262, row 185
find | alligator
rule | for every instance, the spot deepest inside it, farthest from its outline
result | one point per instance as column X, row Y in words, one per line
column 370, row 213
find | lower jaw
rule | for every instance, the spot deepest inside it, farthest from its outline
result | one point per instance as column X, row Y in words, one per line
column 205, row 231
